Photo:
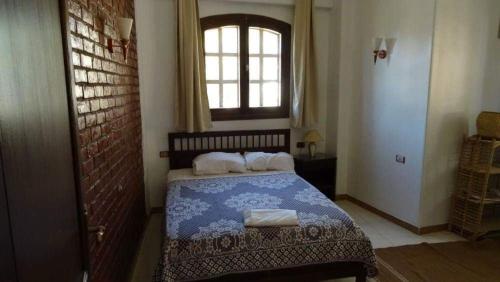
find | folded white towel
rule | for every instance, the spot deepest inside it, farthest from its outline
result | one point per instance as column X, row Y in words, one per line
column 270, row 217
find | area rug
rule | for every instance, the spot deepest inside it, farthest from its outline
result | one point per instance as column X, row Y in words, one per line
column 442, row 262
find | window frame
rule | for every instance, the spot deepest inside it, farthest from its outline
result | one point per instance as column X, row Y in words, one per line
column 244, row 21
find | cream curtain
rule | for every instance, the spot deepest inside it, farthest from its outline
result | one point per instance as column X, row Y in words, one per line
column 304, row 99
column 191, row 104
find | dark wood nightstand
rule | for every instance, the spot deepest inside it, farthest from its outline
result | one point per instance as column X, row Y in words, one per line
column 320, row 171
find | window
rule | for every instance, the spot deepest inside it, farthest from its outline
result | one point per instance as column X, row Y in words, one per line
column 247, row 61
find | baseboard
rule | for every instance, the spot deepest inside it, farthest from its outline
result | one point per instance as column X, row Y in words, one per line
column 393, row 219
column 341, row 197
column 433, row 228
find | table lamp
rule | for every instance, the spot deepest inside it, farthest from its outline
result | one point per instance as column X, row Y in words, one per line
column 311, row 137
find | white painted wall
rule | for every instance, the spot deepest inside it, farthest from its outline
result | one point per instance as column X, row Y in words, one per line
column 156, row 29
column 368, row 113
column 383, row 107
column 491, row 90
column 465, row 81
column 428, row 95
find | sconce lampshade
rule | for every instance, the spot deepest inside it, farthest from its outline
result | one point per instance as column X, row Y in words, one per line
column 313, row 136
column 125, row 27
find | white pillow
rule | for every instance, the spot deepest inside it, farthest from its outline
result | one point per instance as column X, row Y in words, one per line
column 257, row 160
column 280, row 161
column 218, row 163
column 267, row 161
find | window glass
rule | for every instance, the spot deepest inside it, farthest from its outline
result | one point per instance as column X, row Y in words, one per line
column 250, row 87
column 212, row 67
column 230, row 39
column 230, row 95
column 254, row 41
column 213, row 95
column 264, row 68
column 212, row 41
column 254, row 95
column 230, row 67
column 222, row 66
column 270, row 42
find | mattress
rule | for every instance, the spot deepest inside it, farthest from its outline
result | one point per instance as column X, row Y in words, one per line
column 204, row 235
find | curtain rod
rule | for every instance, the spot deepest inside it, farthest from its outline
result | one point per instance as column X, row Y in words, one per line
column 328, row 4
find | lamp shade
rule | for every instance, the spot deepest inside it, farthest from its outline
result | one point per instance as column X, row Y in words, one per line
column 125, row 27
column 312, row 136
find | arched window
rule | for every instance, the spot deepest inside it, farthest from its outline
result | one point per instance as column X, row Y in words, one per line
column 247, row 61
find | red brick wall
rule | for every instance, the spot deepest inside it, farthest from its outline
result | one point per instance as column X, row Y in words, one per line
column 109, row 123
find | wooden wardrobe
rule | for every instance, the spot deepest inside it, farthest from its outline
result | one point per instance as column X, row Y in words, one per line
column 40, row 234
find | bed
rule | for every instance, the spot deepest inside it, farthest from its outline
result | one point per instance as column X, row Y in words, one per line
column 204, row 236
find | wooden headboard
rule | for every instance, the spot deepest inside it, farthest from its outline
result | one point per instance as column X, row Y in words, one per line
column 184, row 147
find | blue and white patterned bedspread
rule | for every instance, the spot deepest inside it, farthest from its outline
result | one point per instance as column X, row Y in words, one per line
column 205, row 236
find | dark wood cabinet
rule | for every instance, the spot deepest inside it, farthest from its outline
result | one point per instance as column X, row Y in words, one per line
column 40, row 237
column 7, row 260
column 320, row 171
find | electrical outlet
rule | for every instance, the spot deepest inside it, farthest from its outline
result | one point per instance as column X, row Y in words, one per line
column 400, row 159
column 164, row 154
column 301, row 145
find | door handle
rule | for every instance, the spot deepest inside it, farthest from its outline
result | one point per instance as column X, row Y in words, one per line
column 99, row 231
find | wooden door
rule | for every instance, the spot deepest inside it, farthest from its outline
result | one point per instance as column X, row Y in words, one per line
column 36, row 143
column 7, row 263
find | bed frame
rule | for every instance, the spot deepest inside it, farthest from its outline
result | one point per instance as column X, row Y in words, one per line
column 184, row 147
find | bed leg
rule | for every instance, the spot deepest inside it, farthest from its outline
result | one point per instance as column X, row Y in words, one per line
column 361, row 278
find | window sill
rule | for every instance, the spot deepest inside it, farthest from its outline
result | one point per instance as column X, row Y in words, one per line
column 271, row 113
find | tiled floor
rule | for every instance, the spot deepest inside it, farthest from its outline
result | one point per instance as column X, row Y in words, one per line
column 382, row 233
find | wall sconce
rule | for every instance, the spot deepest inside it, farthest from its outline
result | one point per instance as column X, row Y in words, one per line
column 379, row 49
column 124, row 29
column 382, row 48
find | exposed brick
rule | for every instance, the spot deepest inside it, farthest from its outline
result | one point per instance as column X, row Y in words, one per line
column 85, row 137
column 90, row 120
column 82, row 29
column 109, row 125
column 88, row 46
column 105, row 129
column 103, row 103
column 99, row 51
column 83, row 107
column 94, row 35
column 86, row 61
column 88, row 92
column 102, row 78
column 76, row 42
column 109, row 31
column 93, row 77
column 87, row 167
column 96, row 64
column 108, row 78
column 92, row 149
column 75, row 58
column 81, row 123
column 109, row 115
column 101, row 117
column 80, row 75
column 87, row 17
column 99, row 91
column 96, row 132
column 74, row 8
column 108, row 91
column 95, row 105
column 72, row 24
column 78, row 91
